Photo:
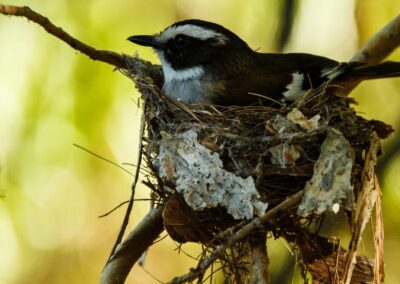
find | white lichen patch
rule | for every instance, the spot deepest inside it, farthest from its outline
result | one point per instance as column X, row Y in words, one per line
column 330, row 184
column 199, row 176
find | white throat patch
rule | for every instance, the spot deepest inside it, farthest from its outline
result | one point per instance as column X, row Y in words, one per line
column 192, row 31
column 170, row 74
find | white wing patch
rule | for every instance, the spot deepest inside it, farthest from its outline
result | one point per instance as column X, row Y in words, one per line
column 295, row 88
column 192, row 31
column 333, row 72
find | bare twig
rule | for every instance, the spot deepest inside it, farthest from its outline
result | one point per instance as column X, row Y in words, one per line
column 379, row 271
column 109, row 57
column 112, row 210
column 203, row 265
column 366, row 200
column 135, row 244
column 102, row 158
column 133, row 187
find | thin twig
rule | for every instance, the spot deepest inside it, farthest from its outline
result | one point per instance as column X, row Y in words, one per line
column 133, row 187
column 109, row 57
column 336, row 274
column 203, row 265
column 121, row 204
column 379, row 271
column 112, row 210
column 102, row 158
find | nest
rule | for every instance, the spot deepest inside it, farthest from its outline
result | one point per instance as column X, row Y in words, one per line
column 317, row 144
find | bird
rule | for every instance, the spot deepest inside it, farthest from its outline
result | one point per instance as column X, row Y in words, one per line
column 205, row 63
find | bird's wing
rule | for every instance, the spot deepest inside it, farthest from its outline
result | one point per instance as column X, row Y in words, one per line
column 275, row 76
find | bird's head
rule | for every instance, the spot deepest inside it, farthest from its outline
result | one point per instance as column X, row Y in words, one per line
column 188, row 47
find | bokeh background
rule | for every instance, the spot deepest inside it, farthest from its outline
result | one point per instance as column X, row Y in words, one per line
column 51, row 97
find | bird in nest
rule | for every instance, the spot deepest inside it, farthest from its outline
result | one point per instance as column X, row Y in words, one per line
column 205, row 63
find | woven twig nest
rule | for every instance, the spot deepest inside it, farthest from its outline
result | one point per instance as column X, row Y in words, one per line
column 215, row 166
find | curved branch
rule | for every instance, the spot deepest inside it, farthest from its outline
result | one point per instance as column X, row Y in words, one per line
column 109, row 57
column 135, row 244
column 384, row 42
column 381, row 44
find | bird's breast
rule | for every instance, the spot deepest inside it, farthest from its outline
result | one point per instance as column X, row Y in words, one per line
column 191, row 91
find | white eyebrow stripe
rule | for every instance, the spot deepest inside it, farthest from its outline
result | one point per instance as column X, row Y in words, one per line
column 192, row 31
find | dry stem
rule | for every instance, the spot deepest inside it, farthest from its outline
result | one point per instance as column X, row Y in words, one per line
column 365, row 204
column 379, row 271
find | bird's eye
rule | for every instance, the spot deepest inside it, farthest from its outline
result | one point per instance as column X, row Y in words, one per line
column 181, row 41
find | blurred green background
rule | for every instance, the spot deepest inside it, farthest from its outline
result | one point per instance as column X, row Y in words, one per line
column 51, row 97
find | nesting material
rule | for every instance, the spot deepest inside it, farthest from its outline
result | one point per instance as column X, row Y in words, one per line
column 212, row 166
column 300, row 119
column 230, row 163
column 284, row 154
column 330, row 184
column 199, row 176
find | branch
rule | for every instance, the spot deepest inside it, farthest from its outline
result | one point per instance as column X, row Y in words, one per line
column 375, row 50
column 381, row 44
column 203, row 265
column 136, row 243
column 109, row 57
column 259, row 259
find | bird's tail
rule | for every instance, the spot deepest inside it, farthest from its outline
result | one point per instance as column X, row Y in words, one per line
column 388, row 69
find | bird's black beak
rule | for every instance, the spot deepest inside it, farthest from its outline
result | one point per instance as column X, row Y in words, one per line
column 146, row 40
